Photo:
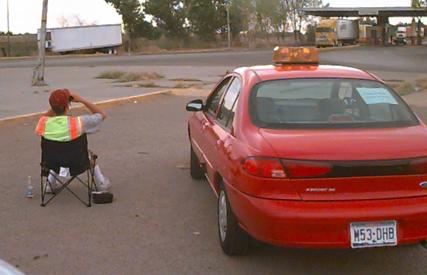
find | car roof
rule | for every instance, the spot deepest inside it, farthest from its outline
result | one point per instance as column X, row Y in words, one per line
column 271, row 72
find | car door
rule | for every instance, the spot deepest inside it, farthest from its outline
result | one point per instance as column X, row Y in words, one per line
column 201, row 124
column 223, row 136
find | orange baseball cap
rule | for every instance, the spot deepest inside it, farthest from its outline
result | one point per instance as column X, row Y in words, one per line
column 59, row 99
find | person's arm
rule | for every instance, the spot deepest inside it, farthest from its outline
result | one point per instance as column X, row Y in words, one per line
column 92, row 107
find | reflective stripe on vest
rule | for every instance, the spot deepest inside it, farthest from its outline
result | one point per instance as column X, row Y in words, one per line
column 41, row 125
column 60, row 128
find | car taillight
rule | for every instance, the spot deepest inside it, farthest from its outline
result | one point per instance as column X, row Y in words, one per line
column 264, row 167
column 306, row 169
column 418, row 166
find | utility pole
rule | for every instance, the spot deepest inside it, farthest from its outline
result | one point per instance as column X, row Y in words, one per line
column 8, row 30
column 38, row 73
column 228, row 23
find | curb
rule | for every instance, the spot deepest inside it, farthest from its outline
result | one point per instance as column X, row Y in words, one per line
column 213, row 50
column 330, row 49
column 218, row 50
column 108, row 102
column 18, row 58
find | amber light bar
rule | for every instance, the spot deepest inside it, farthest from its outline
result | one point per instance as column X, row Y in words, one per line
column 296, row 55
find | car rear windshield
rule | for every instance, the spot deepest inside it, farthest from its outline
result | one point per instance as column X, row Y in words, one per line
column 327, row 103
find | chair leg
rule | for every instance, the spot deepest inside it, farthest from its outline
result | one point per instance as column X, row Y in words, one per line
column 65, row 185
column 89, row 187
column 92, row 174
column 42, row 192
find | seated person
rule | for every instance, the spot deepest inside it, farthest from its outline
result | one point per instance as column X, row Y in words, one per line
column 57, row 125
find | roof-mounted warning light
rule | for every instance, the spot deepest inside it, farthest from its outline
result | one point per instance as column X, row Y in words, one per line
column 295, row 55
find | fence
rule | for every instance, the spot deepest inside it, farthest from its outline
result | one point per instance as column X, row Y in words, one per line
column 20, row 45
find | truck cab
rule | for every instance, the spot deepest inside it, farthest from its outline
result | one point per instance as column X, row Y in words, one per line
column 326, row 33
column 336, row 32
column 401, row 36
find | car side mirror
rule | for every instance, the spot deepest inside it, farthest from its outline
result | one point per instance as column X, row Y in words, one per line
column 195, row 105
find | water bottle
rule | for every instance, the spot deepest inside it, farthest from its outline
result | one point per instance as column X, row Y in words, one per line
column 29, row 193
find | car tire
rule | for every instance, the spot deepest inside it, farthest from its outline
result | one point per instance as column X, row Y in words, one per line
column 196, row 170
column 233, row 240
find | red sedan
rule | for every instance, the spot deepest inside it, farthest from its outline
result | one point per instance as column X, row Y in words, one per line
column 307, row 155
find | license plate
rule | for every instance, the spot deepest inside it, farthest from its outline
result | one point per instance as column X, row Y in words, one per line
column 373, row 234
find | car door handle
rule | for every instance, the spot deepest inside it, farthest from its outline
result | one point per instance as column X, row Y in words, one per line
column 219, row 143
column 205, row 125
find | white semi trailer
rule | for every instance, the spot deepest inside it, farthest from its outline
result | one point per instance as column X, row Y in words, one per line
column 104, row 38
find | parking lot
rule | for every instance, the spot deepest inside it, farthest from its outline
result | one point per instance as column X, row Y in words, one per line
column 162, row 221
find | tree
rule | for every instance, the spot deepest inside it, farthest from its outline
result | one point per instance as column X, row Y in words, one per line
column 205, row 17
column 419, row 3
column 75, row 20
column 63, row 21
column 134, row 21
column 130, row 10
column 311, row 34
column 237, row 18
column 297, row 15
column 272, row 16
column 169, row 16
column 264, row 12
column 280, row 17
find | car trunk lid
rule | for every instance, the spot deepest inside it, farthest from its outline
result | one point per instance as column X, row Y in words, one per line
column 353, row 164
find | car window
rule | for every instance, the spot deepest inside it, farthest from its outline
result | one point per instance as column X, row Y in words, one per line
column 215, row 98
column 226, row 111
column 327, row 103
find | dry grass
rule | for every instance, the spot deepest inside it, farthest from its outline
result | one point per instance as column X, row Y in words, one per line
column 181, row 85
column 121, row 76
column 421, row 83
column 393, row 80
column 141, row 85
column 402, row 88
column 148, row 85
column 186, row 80
column 111, row 75
column 130, row 77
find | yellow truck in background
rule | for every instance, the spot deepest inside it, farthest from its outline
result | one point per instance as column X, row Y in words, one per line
column 336, row 32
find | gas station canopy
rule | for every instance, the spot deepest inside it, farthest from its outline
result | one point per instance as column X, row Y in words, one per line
column 367, row 12
column 381, row 13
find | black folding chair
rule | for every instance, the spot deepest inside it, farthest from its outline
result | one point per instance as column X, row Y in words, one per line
column 73, row 155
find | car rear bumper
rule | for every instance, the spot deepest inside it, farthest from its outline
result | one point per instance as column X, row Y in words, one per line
column 325, row 224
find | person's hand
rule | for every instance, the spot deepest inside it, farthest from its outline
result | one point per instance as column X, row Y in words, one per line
column 76, row 98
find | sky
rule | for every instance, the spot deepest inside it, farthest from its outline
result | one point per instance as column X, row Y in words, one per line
column 61, row 12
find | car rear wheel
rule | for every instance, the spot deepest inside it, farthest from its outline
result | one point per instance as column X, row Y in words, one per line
column 196, row 170
column 234, row 241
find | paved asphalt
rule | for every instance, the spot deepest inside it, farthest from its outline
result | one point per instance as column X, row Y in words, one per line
column 405, row 59
column 161, row 222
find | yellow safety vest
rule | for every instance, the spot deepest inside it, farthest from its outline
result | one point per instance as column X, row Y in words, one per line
column 60, row 128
